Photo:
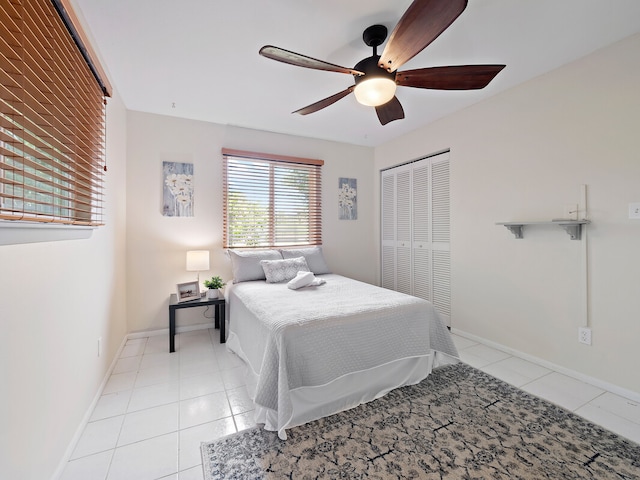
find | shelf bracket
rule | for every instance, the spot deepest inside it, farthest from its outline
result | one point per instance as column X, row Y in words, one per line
column 516, row 230
column 572, row 227
column 574, row 230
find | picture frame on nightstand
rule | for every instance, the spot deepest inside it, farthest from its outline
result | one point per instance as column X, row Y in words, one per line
column 188, row 291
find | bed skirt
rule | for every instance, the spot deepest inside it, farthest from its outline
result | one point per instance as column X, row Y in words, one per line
column 343, row 393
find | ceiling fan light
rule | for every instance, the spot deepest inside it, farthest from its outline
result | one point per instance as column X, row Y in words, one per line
column 376, row 91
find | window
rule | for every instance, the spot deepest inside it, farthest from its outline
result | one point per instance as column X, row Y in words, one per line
column 52, row 109
column 270, row 200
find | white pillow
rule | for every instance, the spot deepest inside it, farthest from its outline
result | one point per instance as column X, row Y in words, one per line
column 245, row 264
column 313, row 256
column 277, row 271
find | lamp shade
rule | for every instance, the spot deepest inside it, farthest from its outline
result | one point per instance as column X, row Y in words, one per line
column 377, row 86
column 197, row 260
column 375, row 91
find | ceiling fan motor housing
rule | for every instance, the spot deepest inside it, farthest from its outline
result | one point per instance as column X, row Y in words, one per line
column 369, row 66
column 377, row 86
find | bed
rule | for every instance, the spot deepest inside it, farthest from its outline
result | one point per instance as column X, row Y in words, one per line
column 318, row 350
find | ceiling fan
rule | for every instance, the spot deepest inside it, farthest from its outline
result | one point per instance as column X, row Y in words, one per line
column 377, row 76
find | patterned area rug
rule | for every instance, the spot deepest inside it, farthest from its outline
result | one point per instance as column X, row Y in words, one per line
column 459, row 423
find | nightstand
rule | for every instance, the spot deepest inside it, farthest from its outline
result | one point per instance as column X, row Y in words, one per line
column 219, row 306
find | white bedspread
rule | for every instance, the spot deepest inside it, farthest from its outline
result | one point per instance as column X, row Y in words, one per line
column 312, row 336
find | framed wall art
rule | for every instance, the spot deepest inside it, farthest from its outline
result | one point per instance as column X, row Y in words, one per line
column 348, row 198
column 177, row 193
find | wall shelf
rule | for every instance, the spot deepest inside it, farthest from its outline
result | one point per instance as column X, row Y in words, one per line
column 572, row 227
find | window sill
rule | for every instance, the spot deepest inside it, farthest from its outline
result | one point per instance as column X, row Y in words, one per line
column 14, row 232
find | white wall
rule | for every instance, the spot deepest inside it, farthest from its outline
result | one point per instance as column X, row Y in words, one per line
column 522, row 155
column 56, row 299
column 157, row 245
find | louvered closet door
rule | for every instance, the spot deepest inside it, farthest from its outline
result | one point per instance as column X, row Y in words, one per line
column 421, row 220
column 388, row 230
column 396, row 229
column 416, row 231
column 403, row 231
column 441, row 236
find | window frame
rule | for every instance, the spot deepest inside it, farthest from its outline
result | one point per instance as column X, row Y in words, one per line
column 270, row 163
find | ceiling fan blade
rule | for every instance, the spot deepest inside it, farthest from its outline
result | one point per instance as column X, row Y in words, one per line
column 460, row 77
column 390, row 111
column 299, row 60
column 314, row 107
column 420, row 25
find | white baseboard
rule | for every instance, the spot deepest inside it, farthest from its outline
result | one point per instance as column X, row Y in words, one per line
column 87, row 416
column 596, row 382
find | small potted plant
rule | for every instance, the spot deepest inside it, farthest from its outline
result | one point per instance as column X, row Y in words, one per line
column 214, row 285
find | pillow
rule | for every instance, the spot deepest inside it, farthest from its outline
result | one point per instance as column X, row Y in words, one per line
column 277, row 271
column 313, row 256
column 305, row 279
column 245, row 264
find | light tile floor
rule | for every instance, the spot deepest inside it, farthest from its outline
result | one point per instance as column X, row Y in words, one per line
column 158, row 407
column 616, row 413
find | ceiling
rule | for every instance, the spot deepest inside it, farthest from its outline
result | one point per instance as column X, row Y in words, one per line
column 198, row 59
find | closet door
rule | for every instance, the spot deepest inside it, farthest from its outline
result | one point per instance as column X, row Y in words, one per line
column 388, row 229
column 403, row 231
column 416, row 231
column 441, row 236
column 421, row 222
column 396, row 229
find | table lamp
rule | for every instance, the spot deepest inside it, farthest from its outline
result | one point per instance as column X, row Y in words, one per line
column 198, row 261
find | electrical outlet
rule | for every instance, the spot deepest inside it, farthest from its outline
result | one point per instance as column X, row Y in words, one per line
column 634, row 211
column 99, row 346
column 584, row 335
column 571, row 211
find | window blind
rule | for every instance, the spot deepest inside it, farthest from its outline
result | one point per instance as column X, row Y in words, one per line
column 52, row 114
column 271, row 200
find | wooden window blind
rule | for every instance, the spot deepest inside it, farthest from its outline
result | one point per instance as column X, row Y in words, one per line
column 271, row 200
column 52, row 118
